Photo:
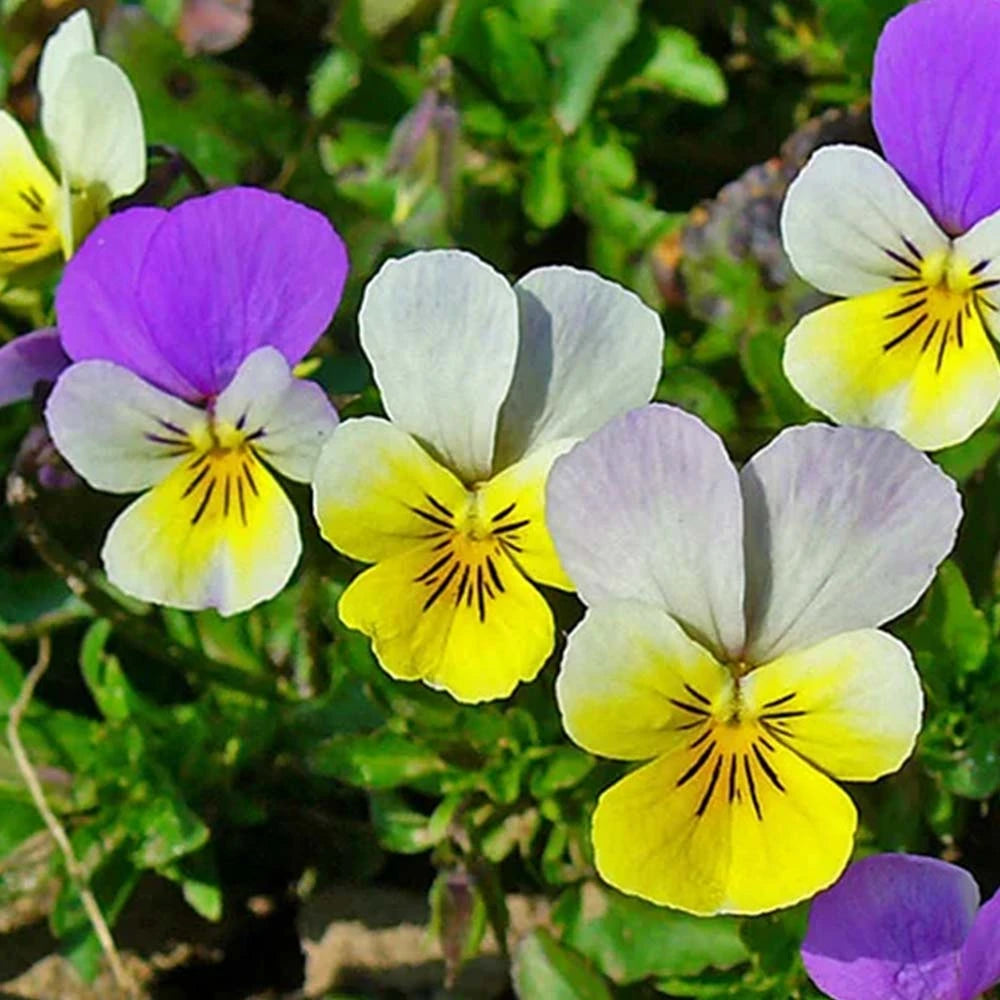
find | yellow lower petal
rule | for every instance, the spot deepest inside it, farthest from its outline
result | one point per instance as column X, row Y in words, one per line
column 456, row 614
column 850, row 704
column 218, row 532
column 520, row 492
column 914, row 360
column 731, row 823
column 29, row 201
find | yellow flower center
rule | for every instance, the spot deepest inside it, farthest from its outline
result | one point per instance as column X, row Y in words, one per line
column 733, row 749
column 221, row 478
column 940, row 296
column 474, row 550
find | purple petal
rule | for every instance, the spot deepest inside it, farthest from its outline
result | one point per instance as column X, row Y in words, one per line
column 35, row 357
column 97, row 303
column 236, row 270
column 893, row 928
column 980, row 958
column 936, row 104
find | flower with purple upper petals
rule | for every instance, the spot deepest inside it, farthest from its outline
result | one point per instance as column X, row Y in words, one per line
column 901, row 927
column 183, row 327
column 911, row 243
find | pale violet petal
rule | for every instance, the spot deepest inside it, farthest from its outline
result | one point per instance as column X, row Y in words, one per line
column 287, row 418
column 845, row 528
column 980, row 957
column 117, row 431
column 847, row 219
column 440, row 330
column 73, row 37
column 648, row 508
column 94, row 126
column 27, row 360
column 589, row 351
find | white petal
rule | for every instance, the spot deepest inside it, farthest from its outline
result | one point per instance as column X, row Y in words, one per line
column 844, row 217
column 117, row 431
column 74, row 37
column 979, row 248
column 845, row 529
column 440, row 329
column 649, row 509
column 94, row 126
column 289, row 419
column 589, row 350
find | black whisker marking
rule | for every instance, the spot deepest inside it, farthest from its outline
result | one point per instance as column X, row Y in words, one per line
column 202, row 507
column 696, row 766
column 462, row 584
column 513, row 526
column 250, row 480
column 480, row 593
column 791, row 714
column 441, row 587
column 194, row 484
column 697, row 695
column 242, row 500
column 912, row 328
column 903, row 310
column 712, row 782
column 701, row 739
column 767, row 769
column 494, row 574
column 775, row 702
column 958, row 328
column 900, row 259
column 941, row 347
column 912, row 248
column 439, row 507
column 433, row 568
column 433, row 518
column 979, row 268
column 732, row 777
column 501, row 514
column 752, row 786
column 930, row 336
column 227, row 495
column 693, row 709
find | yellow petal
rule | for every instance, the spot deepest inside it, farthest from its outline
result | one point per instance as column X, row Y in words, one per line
column 457, row 614
column 633, row 685
column 730, row 823
column 218, row 532
column 29, row 199
column 850, row 704
column 911, row 359
column 377, row 493
column 514, row 505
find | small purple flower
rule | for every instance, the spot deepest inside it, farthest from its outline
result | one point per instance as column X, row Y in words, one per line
column 901, row 927
column 183, row 327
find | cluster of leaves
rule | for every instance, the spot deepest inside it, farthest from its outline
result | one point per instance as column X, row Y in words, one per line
column 530, row 131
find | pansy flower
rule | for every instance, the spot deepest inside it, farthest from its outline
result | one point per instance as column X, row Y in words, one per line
column 91, row 120
column 910, row 242
column 901, row 927
column 731, row 641
column 484, row 386
column 183, row 326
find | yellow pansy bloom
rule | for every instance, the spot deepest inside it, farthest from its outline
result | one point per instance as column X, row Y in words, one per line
column 731, row 643
column 485, row 385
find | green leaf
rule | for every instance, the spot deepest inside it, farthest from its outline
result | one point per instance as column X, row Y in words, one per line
column 590, row 34
column 964, row 460
column 546, row 970
column 400, row 828
column 855, row 25
column 199, row 881
column 164, row 827
column 544, row 196
column 695, row 390
column 377, row 761
column 332, row 80
column 564, row 767
column 630, row 940
column 516, row 66
column 679, row 67
column 167, row 12
column 103, row 673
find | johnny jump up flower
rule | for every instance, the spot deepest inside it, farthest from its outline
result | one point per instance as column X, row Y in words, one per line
column 484, row 386
column 900, row 927
column 91, row 119
column 731, row 639
column 182, row 327
column 912, row 245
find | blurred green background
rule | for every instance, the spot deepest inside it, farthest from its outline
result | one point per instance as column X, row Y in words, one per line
column 246, row 768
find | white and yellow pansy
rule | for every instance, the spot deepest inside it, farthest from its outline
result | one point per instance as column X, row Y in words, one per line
column 731, row 642
column 485, row 385
column 93, row 126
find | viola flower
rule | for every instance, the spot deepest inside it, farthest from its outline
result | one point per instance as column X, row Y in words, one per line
column 484, row 386
column 183, row 326
column 903, row 928
column 911, row 242
column 91, row 119
column 732, row 641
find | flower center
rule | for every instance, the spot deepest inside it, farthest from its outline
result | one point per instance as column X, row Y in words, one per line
column 221, row 478
column 733, row 749
column 473, row 550
column 940, row 296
